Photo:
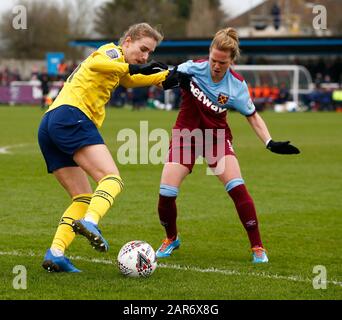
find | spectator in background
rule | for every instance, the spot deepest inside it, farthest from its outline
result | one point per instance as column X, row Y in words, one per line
column 139, row 98
column 118, row 98
column 15, row 75
column 34, row 73
column 284, row 94
column 275, row 12
column 43, row 77
column 72, row 67
column 325, row 100
column 156, row 98
column 275, row 91
column 62, row 70
column 320, row 99
column 318, row 79
column 9, row 75
column 258, row 97
column 2, row 77
column 327, row 78
column 6, row 77
column 266, row 91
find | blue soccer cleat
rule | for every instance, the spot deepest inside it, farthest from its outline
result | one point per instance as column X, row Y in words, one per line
column 259, row 255
column 92, row 233
column 58, row 264
column 167, row 247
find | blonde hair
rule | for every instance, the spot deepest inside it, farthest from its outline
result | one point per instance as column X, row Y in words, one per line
column 227, row 40
column 141, row 30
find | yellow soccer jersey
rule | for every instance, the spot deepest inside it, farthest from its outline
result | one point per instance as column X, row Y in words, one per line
column 90, row 86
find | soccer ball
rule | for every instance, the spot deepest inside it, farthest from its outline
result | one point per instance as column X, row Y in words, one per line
column 137, row 259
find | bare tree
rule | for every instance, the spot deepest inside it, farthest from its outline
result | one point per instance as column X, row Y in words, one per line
column 80, row 17
column 114, row 17
column 205, row 19
column 49, row 28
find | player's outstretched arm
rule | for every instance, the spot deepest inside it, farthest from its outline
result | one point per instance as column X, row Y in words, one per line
column 260, row 128
column 101, row 63
column 147, row 68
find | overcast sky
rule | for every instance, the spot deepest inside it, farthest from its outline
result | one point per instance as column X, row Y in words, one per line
column 232, row 6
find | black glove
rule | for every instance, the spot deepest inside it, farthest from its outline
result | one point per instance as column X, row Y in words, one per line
column 171, row 81
column 147, row 68
column 177, row 79
column 282, row 147
column 184, row 80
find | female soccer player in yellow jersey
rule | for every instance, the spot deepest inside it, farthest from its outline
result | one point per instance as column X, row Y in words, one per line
column 72, row 145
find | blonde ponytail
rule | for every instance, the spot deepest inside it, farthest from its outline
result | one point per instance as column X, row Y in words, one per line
column 227, row 40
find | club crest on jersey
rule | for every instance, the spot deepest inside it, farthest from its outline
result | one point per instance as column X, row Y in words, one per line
column 112, row 53
column 201, row 97
column 222, row 99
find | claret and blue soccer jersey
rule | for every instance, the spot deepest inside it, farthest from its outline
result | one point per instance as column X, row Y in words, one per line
column 205, row 107
column 230, row 93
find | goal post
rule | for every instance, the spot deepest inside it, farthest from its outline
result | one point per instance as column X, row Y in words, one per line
column 297, row 78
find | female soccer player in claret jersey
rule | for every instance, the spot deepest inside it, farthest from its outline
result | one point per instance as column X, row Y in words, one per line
column 210, row 87
column 72, row 145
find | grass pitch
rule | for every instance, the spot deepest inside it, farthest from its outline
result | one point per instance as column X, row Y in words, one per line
column 298, row 200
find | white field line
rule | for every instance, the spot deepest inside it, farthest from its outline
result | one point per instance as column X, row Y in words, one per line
column 6, row 149
column 227, row 272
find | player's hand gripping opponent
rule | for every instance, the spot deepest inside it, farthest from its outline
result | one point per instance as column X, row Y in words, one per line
column 177, row 79
column 282, row 147
column 147, row 68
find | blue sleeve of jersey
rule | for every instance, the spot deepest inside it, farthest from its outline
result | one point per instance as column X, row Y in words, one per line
column 186, row 67
column 243, row 102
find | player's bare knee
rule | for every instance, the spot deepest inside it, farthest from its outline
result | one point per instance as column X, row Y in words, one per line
column 100, row 173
